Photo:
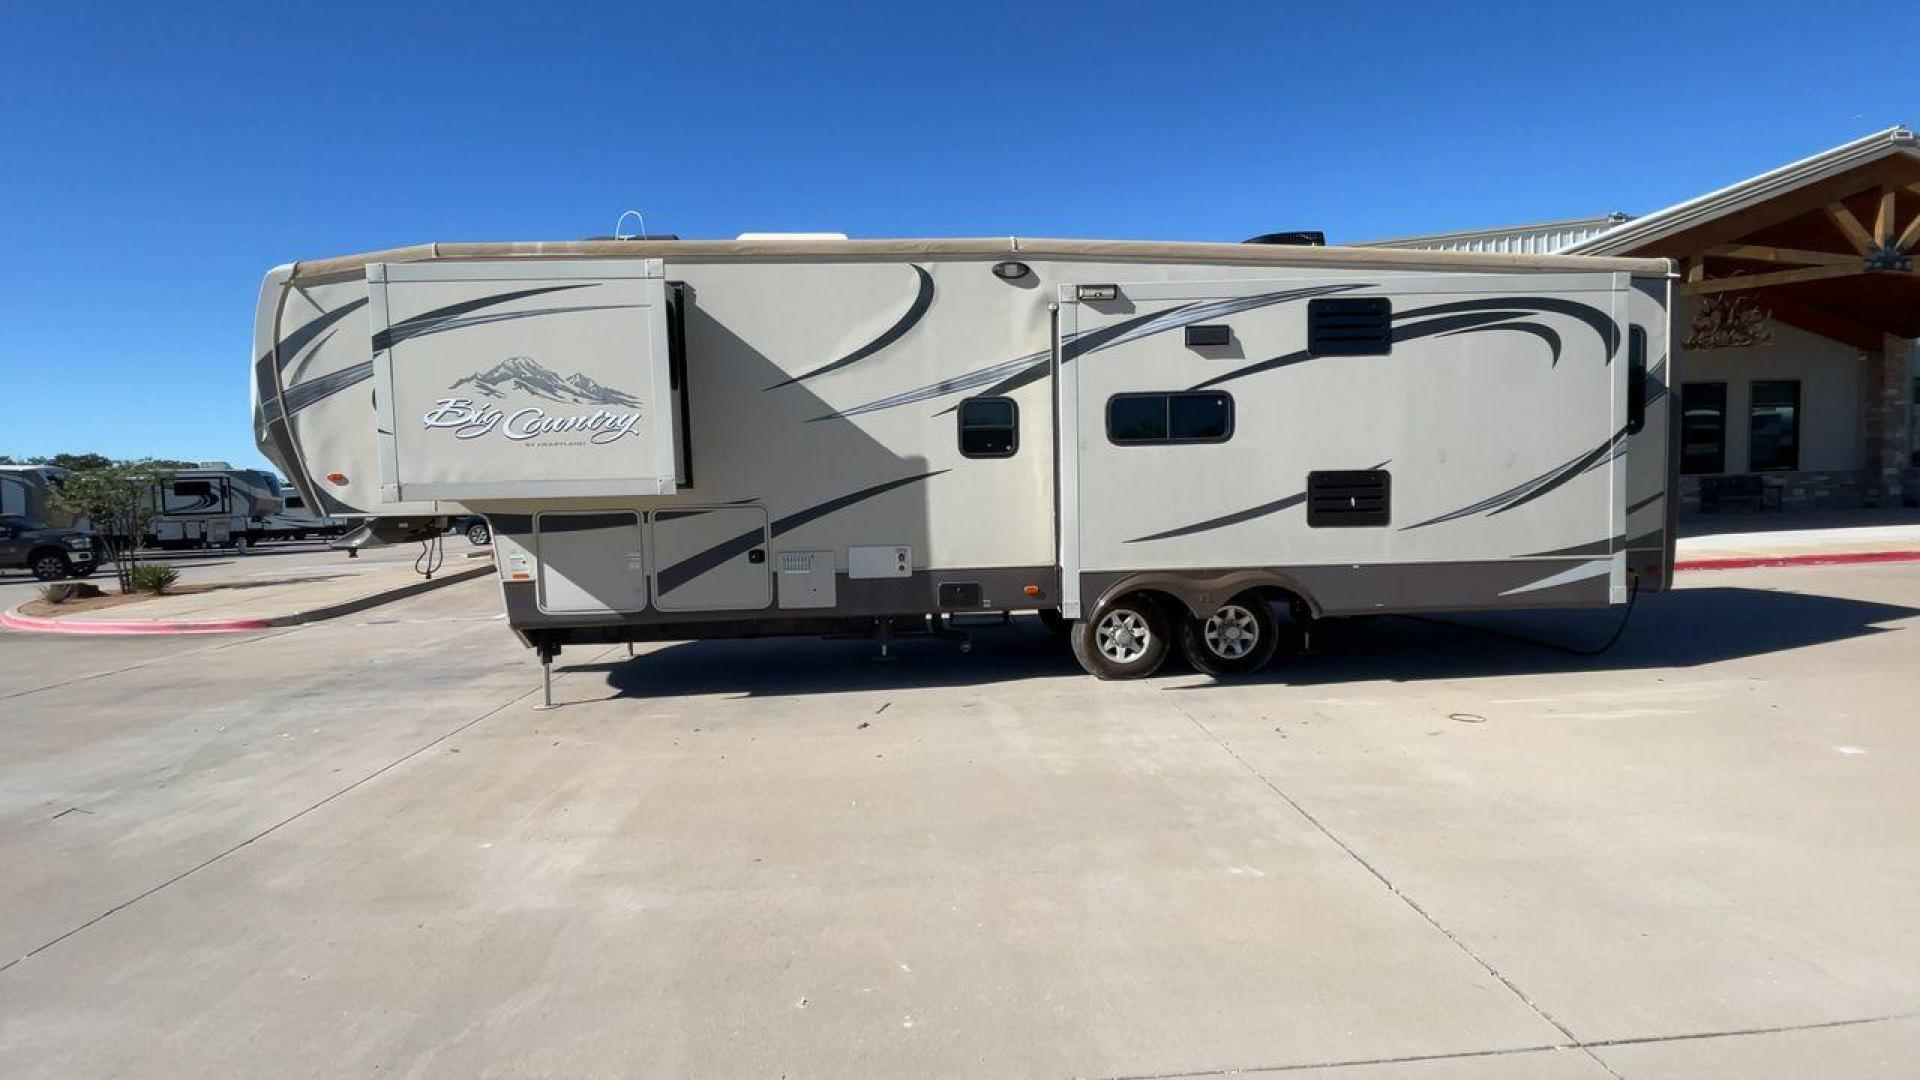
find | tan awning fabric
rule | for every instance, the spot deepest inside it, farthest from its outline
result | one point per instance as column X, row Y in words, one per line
column 1009, row 247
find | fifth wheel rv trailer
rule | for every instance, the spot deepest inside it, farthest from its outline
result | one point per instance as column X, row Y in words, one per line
column 1153, row 443
column 214, row 505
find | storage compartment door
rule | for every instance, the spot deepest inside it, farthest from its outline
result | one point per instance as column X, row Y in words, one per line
column 710, row 559
column 590, row 562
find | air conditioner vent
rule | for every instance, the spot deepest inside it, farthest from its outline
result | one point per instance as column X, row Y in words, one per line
column 1349, row 499
column 1350, row 326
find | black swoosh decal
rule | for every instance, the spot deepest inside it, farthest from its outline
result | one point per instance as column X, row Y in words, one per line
column 428, row 321
column 1238, row 516
column 1541, row 331
column 1593, row 547
column 290, row 346
column 1235, row 518
column 672, row 577
column 1012, row 374
column 922, row 300
column 1596, row 320
column 1646, row 502
column 1521, row 494
column 1410, row 332
column 314, row 390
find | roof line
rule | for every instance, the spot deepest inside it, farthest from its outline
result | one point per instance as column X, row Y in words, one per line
column 1684, row 215
column 1499, row 230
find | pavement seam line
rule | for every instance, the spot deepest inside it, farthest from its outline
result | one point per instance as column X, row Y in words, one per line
column 190, row 871
column 1410, row 902
column 1411, row 1059
column 256, row 636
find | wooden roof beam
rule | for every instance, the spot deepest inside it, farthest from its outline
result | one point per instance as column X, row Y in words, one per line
column 1769, row 253
column 1883, row 219
column 1850, row 227
column 1778, row 277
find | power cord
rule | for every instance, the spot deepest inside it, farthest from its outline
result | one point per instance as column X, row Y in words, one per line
column 432, row 555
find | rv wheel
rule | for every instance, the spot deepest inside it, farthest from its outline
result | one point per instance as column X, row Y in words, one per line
column 1125, row 640
column 1237, row 638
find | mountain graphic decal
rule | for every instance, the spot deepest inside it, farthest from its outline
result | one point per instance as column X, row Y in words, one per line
column 527, row 375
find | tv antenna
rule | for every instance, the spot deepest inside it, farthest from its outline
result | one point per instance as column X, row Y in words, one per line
column 621, row 223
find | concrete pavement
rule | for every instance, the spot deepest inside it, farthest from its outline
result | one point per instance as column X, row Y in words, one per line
column 353, row 847
column 276, row 588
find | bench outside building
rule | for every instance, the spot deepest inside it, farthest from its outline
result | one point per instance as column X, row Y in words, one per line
column 1794, row 323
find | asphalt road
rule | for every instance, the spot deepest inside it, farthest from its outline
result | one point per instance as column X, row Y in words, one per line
column 1421, row 851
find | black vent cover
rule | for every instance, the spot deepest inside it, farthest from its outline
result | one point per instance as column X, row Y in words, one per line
column 1350, row 326
column 1348, row 499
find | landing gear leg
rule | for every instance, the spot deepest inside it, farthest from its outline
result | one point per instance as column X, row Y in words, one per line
column 548, row 650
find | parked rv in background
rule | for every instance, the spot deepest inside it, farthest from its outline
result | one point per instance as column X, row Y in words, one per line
column 27, row 491
column 296, row 522
column 214, row 505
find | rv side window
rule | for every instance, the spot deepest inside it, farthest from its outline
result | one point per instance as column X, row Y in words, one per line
column 1636, row 379
column 1147, row 419
column 989, row 427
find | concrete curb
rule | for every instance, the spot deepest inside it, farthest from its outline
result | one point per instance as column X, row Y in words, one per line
column 37, row 624
column 1837, row 558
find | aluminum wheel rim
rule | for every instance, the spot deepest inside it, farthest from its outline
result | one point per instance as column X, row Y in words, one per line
column 1123, row 636
column 1231, row 632
column 49, row 564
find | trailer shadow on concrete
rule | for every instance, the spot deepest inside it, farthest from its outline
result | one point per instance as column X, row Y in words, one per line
column 1687, row 628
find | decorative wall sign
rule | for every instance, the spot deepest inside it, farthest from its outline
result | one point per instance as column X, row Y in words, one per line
column 1727, row 321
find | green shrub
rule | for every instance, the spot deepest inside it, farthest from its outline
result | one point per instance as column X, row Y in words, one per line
column 155, row 578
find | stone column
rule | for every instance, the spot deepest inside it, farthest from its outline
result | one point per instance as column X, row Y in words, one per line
column 1889, row 434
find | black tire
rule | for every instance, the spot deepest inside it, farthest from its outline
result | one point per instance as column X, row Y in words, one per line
column 1127, row 639
column 50, row 565
column 1237, row 638
column 479, row 535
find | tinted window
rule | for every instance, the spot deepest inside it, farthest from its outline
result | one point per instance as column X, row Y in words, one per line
column 989, row 427
column 1137, row 419
column 1200, row 416
column 1703, row 427
column 1169, row 418
column 1774, row 426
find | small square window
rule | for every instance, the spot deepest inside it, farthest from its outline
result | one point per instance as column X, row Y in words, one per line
column 989, row 427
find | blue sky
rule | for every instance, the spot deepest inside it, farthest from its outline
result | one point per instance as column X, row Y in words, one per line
column 156, row 160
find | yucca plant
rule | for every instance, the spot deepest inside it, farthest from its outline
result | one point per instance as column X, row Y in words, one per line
column 155, row 578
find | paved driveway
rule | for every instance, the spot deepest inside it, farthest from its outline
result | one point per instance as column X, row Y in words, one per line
column 1422, row 851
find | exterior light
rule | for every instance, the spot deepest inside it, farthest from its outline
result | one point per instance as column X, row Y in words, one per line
column 337, row 477
column 1011, row 271
column 1032, row 590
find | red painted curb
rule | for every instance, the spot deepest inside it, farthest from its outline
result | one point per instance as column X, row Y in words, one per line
column 1832, row 559
column 14, row 620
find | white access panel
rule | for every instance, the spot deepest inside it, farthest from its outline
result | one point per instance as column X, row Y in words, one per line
column 710, row 559
column 522, row 380
column 805, row 579
column 590, row 562
column 892, row 560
